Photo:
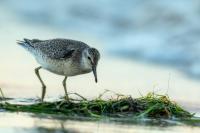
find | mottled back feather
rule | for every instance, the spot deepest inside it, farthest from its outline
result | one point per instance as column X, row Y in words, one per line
column 55, row 48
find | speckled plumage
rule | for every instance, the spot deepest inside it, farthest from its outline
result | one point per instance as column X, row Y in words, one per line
column 55, row 48
column 63, row 56
column 54, row 54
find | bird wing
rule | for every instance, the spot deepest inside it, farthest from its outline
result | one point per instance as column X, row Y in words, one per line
column 58, row 48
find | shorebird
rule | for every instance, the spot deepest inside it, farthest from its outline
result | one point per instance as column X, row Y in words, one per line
column 63, row 57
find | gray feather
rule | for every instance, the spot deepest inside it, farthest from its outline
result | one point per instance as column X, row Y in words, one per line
column 55, row 48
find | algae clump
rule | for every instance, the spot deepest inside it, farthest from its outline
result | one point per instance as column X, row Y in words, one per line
column 151, row 106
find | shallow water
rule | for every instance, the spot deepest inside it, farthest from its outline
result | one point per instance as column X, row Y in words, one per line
column 31, row 123
column 35, row 123
column 121, row 75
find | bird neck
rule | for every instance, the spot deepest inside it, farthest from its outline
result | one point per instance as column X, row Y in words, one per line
column 84, row 61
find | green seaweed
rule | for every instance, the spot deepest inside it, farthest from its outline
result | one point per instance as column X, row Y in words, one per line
column 149, row 106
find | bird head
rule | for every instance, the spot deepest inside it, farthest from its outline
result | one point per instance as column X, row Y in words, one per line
column 92, row 58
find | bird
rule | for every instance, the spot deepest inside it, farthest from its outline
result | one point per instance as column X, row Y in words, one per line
column 65, row 57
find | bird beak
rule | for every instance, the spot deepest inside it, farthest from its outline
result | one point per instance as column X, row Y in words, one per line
column 95, row 73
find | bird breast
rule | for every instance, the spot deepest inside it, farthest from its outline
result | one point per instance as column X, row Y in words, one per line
column 62, row 67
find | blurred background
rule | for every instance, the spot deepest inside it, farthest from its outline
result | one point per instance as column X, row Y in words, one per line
column 145, row 46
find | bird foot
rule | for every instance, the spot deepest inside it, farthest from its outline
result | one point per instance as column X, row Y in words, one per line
column 66, row 98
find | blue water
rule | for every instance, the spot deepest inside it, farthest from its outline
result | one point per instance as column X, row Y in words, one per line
column 155, row 31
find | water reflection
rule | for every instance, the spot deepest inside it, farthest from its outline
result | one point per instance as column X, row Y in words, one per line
column 23, row 122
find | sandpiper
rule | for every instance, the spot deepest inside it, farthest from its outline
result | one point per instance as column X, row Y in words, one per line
column 63, row 57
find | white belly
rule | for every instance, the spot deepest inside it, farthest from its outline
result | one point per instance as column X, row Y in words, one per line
column 51, row 65
column 61, row 67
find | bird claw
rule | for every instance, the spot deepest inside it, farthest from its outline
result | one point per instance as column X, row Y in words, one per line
column 66, row 98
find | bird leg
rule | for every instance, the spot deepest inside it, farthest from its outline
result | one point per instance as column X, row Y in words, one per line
column 43, row 85
column 65, row 88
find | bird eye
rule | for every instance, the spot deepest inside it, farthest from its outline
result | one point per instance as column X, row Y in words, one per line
column 89, row 58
